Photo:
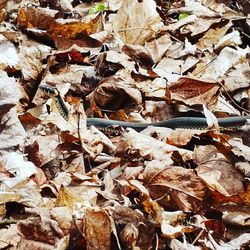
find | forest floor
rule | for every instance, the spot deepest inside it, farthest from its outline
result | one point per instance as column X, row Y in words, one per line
column 66, row 185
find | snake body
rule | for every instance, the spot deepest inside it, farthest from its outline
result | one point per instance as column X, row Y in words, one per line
column 179, row 122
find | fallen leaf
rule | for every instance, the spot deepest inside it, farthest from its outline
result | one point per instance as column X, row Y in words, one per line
column 216, row 171
column 112, row 89
column 191, row 91
column 136, row 21
column 96, row 222
column 66, row 198
column 186, row 190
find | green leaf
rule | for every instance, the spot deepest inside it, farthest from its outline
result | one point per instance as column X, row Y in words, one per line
column 183, row 16
column 97, row 8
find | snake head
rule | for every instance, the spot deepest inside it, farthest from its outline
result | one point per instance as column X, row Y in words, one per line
column 50, row 91
column 55, row 95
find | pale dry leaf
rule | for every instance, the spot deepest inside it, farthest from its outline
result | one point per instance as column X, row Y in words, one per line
column 211, row 119
column 233, row 244
column 64, row 217
column 62, row 178
column 212, row 37
column 136, row 21
column 22, row 170
column 148, row 147
column 12, row 133
column 131, row 173
column 200, row 26
column 153, row 167
column 216, row 171
column 66, row 198
column 121, row 59
column 230, row 39
column 172, row 224
column 196, row 8
column 72, row 74
column 109, row 146
column 129, row 235
column 225, row 107
column 9, row 237
column 155, row 88
column 6, row 196
column 177, row 244
column 243, row 167
column 236, row 218
column 63, row 243
column 236, row 79
column 169, row 66
column 181, row 23
column 9, row 54
column 31, row 55
column 227, row 58
column 46, row 152
column 181, row 137
column 30, row 196
column 31, row 244
column 140, row 54
column 158, row 47
column 10, row 92
column 139, row 186
column 239, row 149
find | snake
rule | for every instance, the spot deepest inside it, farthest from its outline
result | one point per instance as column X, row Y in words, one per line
column 235, row 122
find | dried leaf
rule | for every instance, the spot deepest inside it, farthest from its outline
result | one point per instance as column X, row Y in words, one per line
column 217, row 172
column 192, row 91
column 186, row 190
column 134, row 13
column 96, row 222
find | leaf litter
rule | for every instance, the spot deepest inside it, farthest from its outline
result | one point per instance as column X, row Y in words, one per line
column 64, row 185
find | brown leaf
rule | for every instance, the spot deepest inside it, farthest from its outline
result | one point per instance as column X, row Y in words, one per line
column 113, row 93
column 33, row 153
column 29, row 121
column 216, row 171
column 185, row 188
column 129, row 235
column 97, row 223
column 191, row 91
column 35, row 18
column 181, row 137
column 139, row 229
column 71, row 30
column 140, row 54
column 241, row 198
column 41, row 230
column 83, row 41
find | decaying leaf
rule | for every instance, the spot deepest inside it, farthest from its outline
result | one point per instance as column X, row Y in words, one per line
column 97, row 222
column 191, row 91
column 187, row 197
column 113, row 89
column 217, row 172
